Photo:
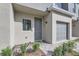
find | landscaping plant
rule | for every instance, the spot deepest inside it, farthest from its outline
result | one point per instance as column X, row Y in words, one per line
column 71, row 45
column 35, row 46
column 64, row 48
column 23, row 48
column 58, row 51
column 6, row 52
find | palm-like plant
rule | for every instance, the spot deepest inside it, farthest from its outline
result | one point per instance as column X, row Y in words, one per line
column 23, row 48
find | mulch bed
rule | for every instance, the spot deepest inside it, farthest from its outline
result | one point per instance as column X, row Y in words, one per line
column 17, row 52
column 39, row 52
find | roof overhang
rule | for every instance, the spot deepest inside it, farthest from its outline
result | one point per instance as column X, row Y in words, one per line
column 25, row 9
column 61, row 11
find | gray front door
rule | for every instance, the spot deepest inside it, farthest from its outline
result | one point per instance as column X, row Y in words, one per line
column 38, row 29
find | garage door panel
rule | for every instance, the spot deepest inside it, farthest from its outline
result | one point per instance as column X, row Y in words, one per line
column 62, row 31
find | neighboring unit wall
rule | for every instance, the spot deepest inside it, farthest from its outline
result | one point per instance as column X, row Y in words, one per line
column 75, row 29
column 20, row 35
column 75, row 26
column 4, row 25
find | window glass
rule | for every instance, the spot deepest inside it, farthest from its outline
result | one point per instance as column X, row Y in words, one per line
column 26, row 24
column 58, row 4
column 62, row 5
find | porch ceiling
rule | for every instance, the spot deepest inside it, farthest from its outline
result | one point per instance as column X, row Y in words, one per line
column 25, row 9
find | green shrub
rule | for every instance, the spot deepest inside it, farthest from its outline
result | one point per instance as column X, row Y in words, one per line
column 35, row 46
column 64, row 48
column 6, row 52
column 23, row 48
column 58, row 51
column 71, row 45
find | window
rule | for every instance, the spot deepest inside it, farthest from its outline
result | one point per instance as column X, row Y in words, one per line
column 74, row 7
column 26, row 24
column 58, row 5
column 62, row 31
column 62, row 5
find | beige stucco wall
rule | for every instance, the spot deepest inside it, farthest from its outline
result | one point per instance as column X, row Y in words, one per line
column 21, row 36
column 48, row 28
column 4, row 25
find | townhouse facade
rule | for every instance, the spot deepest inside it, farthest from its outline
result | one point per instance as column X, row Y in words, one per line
column 51, row 23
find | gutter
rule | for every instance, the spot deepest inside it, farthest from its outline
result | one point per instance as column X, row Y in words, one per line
column 54, row 8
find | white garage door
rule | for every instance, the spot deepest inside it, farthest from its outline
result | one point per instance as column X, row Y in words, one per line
column 62, row 31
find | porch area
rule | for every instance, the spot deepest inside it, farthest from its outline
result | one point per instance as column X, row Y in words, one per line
column 31, row 25
column 47, row 48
